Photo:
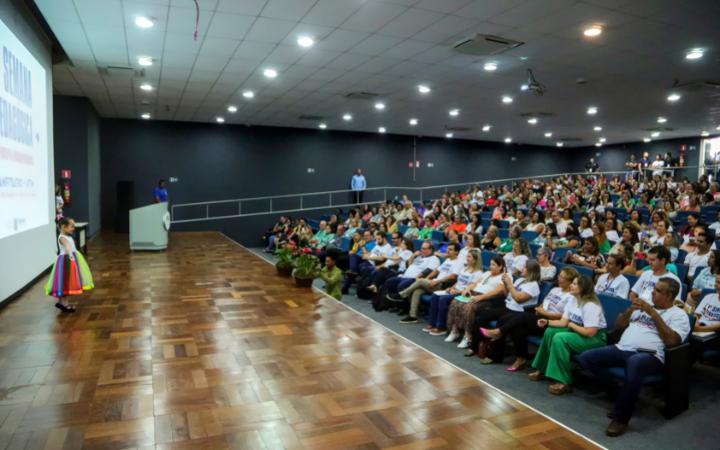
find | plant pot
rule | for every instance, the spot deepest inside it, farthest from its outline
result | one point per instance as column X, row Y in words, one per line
column 284, row 271
column 303, row 282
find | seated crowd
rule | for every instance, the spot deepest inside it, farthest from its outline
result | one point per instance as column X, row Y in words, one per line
column 530, row 264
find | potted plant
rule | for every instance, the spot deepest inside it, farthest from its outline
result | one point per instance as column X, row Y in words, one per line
column 307, row 268
column 285, row 263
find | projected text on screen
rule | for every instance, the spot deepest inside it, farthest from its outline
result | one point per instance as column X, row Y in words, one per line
column 24, row 192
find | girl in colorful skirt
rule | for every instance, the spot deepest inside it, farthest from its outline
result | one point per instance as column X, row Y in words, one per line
column 70, row 274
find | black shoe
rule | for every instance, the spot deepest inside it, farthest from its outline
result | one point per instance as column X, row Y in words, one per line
column 409, row 319
column 394, row 298
column 62, row 307
column 616, row 428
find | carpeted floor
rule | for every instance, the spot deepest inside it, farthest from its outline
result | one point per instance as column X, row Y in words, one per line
column 585, row 409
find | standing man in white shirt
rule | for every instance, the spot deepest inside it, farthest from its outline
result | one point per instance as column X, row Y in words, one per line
column 613, row 282
column 657, row 259
column 649, row 328
column 358, row 184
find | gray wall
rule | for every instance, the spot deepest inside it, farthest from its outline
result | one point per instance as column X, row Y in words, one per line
column 77, row 148
column 214, row 162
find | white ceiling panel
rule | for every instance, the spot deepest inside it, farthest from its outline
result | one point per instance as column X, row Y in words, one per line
column 410, row 22
column 270, row 30
column 372, row 16
column 231, row 26
column 287, row 9
column 332, row 13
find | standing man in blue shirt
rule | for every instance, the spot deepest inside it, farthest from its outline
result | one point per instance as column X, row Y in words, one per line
column 358, row 185
column 160, row 193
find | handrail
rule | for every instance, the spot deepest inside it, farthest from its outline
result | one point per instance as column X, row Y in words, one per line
column 384, row 190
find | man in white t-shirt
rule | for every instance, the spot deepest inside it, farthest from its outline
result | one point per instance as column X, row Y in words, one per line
column 708, row 321
column 698, row 258
column 657, row 259
column 378, row 255
column 420, row 265
column 648, row 328
column 560, row 225
column 613, row 282
column 444, row 275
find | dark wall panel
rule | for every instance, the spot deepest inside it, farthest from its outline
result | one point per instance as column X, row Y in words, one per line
column 71, row 138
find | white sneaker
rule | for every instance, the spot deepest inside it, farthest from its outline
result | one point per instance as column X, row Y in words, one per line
column 452, row 337
column 465, row 343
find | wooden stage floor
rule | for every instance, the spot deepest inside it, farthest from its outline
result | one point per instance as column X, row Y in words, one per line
column 203, row 346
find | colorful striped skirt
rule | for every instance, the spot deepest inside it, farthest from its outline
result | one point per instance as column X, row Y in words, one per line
column 69, row 277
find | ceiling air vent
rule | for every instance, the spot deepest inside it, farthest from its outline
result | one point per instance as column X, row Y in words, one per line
column 458, row 129
column 485, row 45
column 122, row 72
column 569, row 139
column 362, row 95
column 310, row 117
column 659, row 129
column 696, row 86
column 538, row 114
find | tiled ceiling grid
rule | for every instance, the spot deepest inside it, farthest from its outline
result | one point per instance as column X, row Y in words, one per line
column 391, row 46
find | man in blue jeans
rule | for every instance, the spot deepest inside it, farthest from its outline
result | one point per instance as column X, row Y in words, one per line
column 420, row 265
column 647, row 330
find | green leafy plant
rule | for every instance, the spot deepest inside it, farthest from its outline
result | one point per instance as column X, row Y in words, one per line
column 307, row 266
column 285, row 258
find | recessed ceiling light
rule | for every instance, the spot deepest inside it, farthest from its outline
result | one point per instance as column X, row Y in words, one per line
column 655, row 134
column 347, row 117
column 674, row 97
column 413, row 121
column 602, row 139
column 694, row 53
column 507, row 99
column 448, row 135
column 305, row 41
column 220, row 119
column 597, row 128
column 704, row 134
column 454, row 112
column 532, row 120
column 381, row 130
column 270, row 73
column 146, row 87
column 379, row 106
column 718, row 128
column 232, row 108
column 508, row 140
column 598, row 144
column 145, row 116
column 661, row 119
column 144, row 22
column 423, row 89
column 593, row 31
column 490, row 66
column 524, row 87
column 647, row 139
column 145, row 61
column 486, row 128
column 592, row 110
column 322, row 126
column 248, row 94
column 548, row 134
column 559, row 144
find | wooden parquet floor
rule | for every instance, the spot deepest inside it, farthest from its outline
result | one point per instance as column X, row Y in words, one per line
column 204, row 347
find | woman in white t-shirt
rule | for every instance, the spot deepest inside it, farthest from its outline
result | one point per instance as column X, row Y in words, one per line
column 708, row 320
column 461, row 315
column 518, row 326
column 522, row 295
column 515, row 260
column 440, row 300
column 547, row 269
column 582, row 327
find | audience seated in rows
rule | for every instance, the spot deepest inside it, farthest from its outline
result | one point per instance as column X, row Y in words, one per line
column 488, row 290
